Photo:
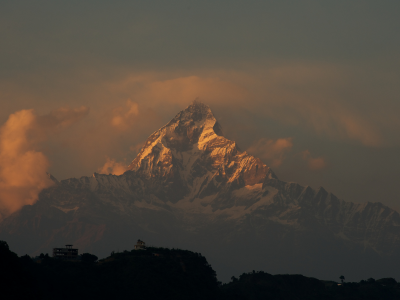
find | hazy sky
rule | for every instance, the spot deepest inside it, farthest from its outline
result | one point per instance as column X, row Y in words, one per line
column 311, row 87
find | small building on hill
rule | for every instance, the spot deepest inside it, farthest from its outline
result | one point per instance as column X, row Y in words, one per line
column 67, row 253
column 140, row 245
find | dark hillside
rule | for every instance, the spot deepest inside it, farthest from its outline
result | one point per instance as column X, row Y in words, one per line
column 15, row 281
column 260, row 285
column 154, row 273
column 161, row 273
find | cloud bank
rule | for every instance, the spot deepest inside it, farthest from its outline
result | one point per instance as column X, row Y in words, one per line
column 23, row 168
column 313, row 96
column 271, row 151
column 113, row 167
column 314, row 163
column 123, row 117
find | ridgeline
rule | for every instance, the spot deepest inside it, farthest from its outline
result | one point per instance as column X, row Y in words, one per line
column 161, row 273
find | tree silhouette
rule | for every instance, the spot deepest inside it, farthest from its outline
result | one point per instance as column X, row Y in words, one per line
column 89, row 258
column 342, row 278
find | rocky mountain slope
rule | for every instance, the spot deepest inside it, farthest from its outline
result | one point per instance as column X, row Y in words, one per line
column 190, row 187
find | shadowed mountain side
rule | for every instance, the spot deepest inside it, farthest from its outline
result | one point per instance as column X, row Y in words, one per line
column 192, row 188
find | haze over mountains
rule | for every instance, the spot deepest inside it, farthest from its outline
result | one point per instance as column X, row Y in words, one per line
column 190, row 187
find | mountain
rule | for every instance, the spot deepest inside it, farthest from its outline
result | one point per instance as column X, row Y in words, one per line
column 190, row 187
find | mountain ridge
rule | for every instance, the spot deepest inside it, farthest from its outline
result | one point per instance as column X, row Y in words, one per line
column 189, row 186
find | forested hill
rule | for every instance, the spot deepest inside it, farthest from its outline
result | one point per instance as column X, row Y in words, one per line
column 154, row 273
column 260, row 285
column 160, row 273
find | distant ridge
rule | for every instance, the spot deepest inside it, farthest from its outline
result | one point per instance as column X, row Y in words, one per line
column 191, row 187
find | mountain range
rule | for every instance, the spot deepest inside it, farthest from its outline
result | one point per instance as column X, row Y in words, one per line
column 192, row 188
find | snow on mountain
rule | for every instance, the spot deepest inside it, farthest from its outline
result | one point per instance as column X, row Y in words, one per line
column 190, row 156
column 191, row 187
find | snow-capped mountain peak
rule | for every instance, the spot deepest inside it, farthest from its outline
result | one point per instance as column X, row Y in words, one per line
column 192, row 150
column 192, row 127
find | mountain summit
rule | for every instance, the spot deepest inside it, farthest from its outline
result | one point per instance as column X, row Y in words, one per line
column 190, row 157
column 190, row 187
column 191, row 128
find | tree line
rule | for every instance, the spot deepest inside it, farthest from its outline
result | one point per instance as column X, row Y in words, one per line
column 162, row 273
